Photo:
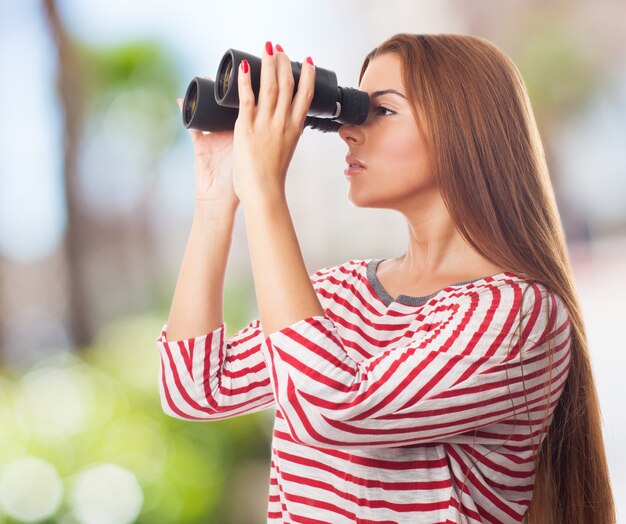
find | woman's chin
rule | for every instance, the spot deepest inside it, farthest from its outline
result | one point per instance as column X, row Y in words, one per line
column 356, row 200
column 362, row 201
column 368, row 197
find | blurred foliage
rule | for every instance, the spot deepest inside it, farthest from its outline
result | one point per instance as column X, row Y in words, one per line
column 139, row 80
column 144, row 64
column 103, row 407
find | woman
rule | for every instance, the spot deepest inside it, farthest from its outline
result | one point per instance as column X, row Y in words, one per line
column 466, row 398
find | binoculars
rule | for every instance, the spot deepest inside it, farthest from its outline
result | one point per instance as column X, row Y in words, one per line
column 214, row 105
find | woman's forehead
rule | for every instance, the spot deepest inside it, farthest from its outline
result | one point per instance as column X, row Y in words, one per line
column 383, row 72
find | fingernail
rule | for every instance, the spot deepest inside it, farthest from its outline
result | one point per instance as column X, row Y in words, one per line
column 244, row 65
column 279, row 48
column 268, row 48
column 309, row 60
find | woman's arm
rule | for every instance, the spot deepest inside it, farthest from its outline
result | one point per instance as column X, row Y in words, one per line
column 284, row 291
column 198, row 297
column 203, row 375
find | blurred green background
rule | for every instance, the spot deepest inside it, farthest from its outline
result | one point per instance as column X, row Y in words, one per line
column 96, row 196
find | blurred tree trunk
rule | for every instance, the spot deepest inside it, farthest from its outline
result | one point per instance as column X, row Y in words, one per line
column 71, row 104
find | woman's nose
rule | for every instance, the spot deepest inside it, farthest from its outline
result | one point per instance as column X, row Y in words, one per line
column 351, row 133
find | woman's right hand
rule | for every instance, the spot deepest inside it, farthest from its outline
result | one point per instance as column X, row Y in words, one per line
column 213, row 154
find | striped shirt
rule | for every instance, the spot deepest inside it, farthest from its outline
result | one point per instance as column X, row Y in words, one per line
column 390, row 410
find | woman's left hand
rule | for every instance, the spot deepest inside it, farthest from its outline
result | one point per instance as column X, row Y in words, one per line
column 266, row 135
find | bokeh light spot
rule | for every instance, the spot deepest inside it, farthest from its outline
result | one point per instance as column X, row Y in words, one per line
column 30, row 489
column 51, row 402
column 106, row 494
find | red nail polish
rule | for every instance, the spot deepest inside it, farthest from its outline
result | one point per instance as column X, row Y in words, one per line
column 244, row 64
column 309, row 60
column 268, row 48
column 279, row 48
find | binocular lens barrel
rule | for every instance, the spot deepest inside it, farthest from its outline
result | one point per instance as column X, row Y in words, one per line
column 224, row 77
column 190, row 102
column 213, row 106
column 202, row 112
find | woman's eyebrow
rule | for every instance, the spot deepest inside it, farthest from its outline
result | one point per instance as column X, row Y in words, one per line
column 387, row 91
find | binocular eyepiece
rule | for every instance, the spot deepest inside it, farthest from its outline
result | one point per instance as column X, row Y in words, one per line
column 213, row 105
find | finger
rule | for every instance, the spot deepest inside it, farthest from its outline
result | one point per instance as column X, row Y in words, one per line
column 284, row 76
column 268, row 89
column 246, row 95
column 304, row 95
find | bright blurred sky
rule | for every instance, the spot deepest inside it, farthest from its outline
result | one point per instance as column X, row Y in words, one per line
column 31, row 203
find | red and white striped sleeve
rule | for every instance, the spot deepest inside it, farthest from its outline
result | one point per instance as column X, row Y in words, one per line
column 480, row 359
column 211, row 377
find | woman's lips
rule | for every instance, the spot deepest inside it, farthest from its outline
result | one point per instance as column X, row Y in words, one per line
column 355, row 166
column 353, row 170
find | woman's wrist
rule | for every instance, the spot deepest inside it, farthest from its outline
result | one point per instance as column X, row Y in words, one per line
column 215, row 208
column 267, row 197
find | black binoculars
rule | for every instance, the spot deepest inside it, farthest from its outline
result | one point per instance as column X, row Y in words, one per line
column 213, row 105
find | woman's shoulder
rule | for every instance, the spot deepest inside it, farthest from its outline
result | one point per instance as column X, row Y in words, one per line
column 341, row 271
column 511, row 283
column 512, row 293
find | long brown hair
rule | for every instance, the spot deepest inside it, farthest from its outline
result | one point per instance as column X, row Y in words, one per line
column 487, row 155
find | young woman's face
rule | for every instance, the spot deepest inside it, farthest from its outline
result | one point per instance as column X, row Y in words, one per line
column 390, row 144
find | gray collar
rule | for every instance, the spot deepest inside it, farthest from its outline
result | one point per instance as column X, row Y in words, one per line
column 402, row 299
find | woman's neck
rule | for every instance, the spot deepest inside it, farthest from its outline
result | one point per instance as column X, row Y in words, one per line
column 436, row 249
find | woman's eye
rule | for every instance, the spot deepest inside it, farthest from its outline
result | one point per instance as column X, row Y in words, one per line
column 381, row 110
